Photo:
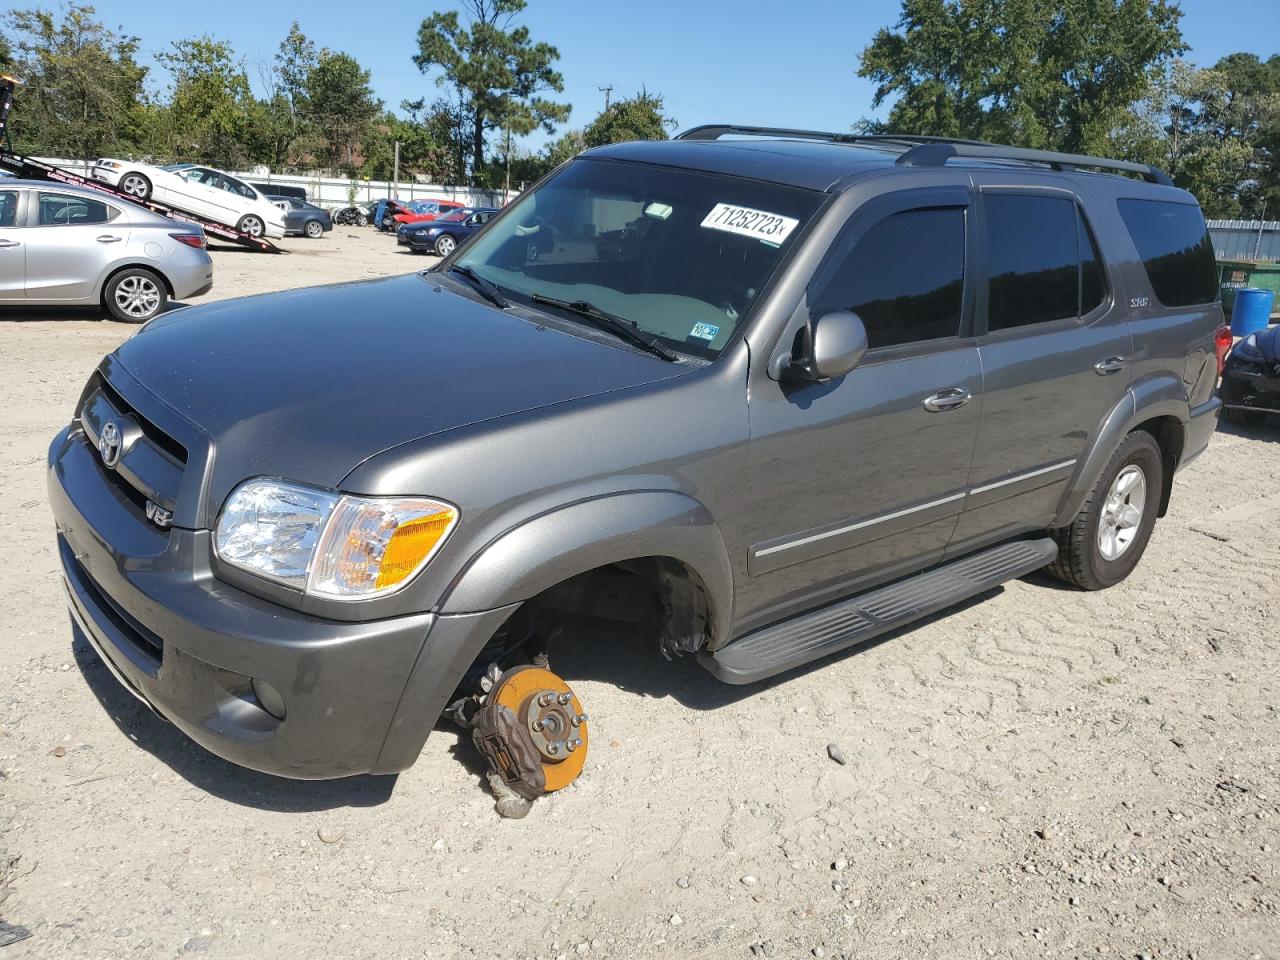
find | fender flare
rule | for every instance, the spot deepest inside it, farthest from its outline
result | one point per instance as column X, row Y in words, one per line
column 1159, row 396
column 582, row 536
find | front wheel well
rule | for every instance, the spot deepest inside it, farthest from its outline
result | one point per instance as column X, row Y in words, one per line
column 666, row 598
column 1170, row 436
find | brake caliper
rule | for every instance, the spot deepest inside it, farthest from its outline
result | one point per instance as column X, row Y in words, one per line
column 533, row 731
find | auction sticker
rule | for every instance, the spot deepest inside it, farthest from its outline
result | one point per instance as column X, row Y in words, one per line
column 772, row 228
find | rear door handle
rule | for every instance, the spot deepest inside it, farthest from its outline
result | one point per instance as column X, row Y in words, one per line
column 9, row 243
column 1110, row 365
column 947, row 399
column 108, row 238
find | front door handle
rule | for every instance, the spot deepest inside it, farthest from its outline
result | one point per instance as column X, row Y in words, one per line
column 108, row 238
column 1110, row 365
column 9, row 243
column 947, row 399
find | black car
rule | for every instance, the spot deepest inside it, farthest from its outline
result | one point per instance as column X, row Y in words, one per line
column 442, row 236
column 1251, row 377
column 302, row 219
column 280, row 190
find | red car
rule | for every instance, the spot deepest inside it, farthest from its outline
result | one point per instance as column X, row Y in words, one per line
column 419, row 210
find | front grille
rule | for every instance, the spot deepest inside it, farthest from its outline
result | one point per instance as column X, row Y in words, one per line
column 153, row 433
column 151, row 462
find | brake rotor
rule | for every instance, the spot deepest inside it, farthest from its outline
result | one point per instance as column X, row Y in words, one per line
column 546, row 707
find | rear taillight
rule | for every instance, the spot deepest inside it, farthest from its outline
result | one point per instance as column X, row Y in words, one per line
column 190, row 239
column 1222, row 341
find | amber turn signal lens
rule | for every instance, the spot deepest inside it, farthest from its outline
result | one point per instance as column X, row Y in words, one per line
column 410, row 545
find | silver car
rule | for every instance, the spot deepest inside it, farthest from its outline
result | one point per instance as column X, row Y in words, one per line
column 61, row 244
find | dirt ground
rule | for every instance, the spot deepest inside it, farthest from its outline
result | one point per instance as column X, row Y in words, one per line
column 1041, row 773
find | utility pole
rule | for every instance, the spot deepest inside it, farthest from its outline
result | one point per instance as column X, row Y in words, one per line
column 606, row 90
column 395, row 176
column 506, row 191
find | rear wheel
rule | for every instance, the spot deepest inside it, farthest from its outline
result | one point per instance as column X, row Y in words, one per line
column 314, row 229
column 1109, row 534
column 445, row 245
column 252, row 225
column 135, row 296
column 136, row 186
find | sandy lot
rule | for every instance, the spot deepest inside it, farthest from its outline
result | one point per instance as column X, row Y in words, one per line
column 1041, row 773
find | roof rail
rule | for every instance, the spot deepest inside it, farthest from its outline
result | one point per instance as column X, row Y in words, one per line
column 714, row 131
column 937, row 153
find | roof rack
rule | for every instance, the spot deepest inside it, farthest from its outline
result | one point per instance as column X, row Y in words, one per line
column 928, row 151
column 936, row 154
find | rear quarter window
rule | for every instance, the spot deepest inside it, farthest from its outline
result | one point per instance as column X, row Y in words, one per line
column 1175, row 249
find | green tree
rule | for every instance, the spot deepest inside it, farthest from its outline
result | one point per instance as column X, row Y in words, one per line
column 340, row 106
column 425, row 148
column 1210, row 129
column 497, row 70
column 82, row 85
column 287, row 94
column 210, row 107
column 635, row 118
column 1057, row 74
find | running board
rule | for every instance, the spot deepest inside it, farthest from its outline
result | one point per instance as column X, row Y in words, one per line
column 793, row 642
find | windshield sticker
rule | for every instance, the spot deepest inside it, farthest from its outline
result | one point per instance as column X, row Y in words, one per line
column 704, row 331
column 770, row 228
column 658, row 211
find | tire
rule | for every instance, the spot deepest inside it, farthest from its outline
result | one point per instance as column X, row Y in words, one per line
column 136, row 186
column 252, row 225
column 1095, row 551
column 135, row 295
column 445, row 245
column 313, row 229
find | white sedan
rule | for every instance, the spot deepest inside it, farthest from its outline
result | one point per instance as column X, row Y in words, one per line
column 197, row 190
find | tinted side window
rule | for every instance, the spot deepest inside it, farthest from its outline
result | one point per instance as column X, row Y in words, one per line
column 1174, row 245
column 904, row 277
column 1093, row 282
column 1033, row 264
column 8, row 207
column 58, row 209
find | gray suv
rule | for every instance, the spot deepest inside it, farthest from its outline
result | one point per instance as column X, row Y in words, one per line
column 796, row 389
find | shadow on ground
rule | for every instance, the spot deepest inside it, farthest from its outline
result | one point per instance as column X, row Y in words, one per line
column 624, row 655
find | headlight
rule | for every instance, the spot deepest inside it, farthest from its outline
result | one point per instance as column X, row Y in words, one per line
column 327, row 544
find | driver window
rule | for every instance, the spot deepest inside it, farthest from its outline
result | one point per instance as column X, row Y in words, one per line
column 904, row 277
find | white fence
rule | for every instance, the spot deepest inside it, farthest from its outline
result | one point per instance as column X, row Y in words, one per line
column 334, row 192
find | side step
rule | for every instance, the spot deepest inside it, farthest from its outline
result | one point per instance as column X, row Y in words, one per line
column 772, row 650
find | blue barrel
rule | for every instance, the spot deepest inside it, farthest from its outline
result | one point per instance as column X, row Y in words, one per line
column 1251, row 311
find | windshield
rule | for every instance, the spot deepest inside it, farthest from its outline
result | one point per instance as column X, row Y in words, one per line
column 684, row 255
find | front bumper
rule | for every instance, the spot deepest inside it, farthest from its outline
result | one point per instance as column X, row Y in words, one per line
column 360, row 697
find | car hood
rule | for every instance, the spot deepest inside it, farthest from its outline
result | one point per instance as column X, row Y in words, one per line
column 308, row 383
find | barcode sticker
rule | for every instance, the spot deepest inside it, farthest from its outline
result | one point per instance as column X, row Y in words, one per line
column 771, row 228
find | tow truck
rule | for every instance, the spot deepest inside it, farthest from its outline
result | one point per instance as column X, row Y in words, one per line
column 29, row 168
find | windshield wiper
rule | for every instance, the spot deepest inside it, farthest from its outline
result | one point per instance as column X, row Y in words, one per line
column 486, row 288
column 619, row 326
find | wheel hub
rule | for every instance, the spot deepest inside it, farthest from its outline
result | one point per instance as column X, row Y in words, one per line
column 552, row 714
column 1122, row 512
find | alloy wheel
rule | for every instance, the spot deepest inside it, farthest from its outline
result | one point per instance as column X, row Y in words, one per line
column 1122, row 512
column 138, row 297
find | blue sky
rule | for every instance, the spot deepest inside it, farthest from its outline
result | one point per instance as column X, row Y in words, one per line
column 786, row 64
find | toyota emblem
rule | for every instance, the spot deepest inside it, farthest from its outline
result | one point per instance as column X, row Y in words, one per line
column 109, row 444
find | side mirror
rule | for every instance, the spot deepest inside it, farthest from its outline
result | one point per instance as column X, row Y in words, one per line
column 829, row 347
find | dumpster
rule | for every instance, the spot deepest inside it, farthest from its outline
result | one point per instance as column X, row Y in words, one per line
column 1236, row 275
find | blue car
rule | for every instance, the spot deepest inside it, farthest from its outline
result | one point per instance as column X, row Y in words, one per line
column 442, row 237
